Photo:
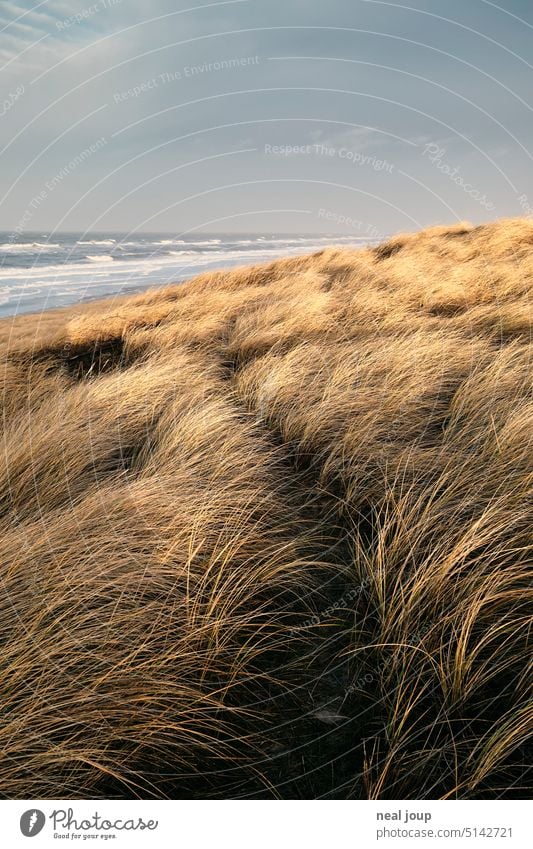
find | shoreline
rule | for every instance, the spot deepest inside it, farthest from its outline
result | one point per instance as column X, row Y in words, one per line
column 70, row 269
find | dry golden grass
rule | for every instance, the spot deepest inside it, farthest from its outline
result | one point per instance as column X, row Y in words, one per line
column 268, row 533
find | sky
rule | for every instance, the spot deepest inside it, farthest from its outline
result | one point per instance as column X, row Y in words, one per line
column 357, row 117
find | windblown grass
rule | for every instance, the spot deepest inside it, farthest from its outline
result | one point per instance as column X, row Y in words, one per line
column 268, row 533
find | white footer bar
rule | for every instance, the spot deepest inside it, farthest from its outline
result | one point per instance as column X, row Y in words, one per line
column 267, row 825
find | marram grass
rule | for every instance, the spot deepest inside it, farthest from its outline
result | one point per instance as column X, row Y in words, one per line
column 268, row 533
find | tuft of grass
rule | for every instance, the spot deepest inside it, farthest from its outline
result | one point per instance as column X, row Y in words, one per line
column 268, row 533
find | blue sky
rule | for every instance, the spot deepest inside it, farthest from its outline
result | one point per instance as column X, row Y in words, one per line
column 264, row 116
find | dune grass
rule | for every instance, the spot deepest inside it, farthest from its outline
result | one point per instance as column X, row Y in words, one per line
column 268, row 533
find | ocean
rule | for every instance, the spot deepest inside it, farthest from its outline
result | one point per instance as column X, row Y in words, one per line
column 39, row 272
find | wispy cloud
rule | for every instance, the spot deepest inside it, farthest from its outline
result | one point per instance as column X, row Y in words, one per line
column 124, row 65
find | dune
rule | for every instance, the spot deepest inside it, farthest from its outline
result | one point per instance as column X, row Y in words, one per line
column 267, row 534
